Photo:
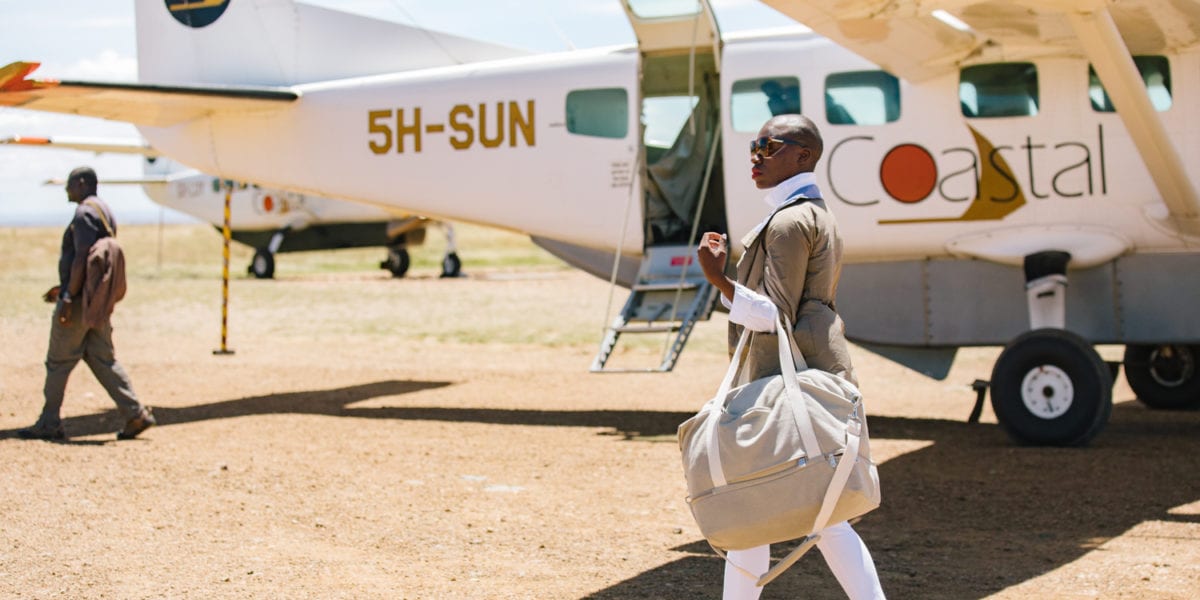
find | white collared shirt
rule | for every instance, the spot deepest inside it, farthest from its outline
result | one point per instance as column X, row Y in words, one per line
column 750, row 309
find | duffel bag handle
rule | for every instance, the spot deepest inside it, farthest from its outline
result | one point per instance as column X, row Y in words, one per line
column 787, row 365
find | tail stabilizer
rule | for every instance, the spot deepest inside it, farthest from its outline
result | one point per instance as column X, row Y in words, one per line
column 282, row 43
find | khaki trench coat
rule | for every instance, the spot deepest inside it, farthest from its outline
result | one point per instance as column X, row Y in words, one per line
column 796, row 261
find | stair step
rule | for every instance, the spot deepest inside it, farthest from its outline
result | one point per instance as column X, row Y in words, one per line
column 648, row 310
column 646, row 328
column 661, row 287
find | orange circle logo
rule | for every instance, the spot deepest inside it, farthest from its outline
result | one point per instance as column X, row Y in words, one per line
column 908, row 173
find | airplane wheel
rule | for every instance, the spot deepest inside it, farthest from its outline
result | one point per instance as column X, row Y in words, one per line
column 1165, row 376
column 1050, row 387
column 451, row 265
column 397, row 261
column 262, row 266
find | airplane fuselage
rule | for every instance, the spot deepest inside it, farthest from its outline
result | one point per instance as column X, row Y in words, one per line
column 492, row 143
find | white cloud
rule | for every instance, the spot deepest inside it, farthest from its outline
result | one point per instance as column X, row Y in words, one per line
column 109, row 65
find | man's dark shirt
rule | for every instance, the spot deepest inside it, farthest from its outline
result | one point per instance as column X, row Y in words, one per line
column 85, row 228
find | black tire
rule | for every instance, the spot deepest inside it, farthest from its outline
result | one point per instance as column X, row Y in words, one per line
column 262, row 266
column 1051, row 388
column 397, row 261
column 451, row 265
column 1165, row 376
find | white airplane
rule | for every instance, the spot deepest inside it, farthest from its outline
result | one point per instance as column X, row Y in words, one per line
column 270, row 220
column 973, row 157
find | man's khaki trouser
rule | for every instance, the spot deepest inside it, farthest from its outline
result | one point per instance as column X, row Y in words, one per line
column 73, row 341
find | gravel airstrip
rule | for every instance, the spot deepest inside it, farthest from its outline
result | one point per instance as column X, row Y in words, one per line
column 432, row 438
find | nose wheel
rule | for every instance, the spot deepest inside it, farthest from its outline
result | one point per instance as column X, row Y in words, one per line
column 1050, row 387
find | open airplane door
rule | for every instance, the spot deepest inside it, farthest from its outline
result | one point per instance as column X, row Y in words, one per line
column 680, row 52
column 679, row 46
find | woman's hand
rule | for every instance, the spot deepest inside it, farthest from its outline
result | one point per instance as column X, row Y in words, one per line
column 712, row 256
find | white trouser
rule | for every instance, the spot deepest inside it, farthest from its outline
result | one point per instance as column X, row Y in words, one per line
column 844, row 552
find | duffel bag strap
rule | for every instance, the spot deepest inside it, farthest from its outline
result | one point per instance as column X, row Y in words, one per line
column 786, row 561
column 716, row 471
column 787, row 366
column 782, row 566
column 735, row 364
column 840, row 476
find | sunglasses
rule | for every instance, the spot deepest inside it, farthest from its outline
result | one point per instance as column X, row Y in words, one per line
column 769, row 146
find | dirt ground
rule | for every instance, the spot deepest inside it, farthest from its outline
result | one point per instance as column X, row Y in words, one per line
column 443, row 438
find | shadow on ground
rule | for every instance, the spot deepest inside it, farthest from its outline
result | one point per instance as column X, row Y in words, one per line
column 972, row 514
column 965, row 517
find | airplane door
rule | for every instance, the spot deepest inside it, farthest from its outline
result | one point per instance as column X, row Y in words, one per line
column 673, row 26
column 679, row 44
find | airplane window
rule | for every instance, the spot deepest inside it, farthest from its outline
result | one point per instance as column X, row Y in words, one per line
column 599, row 112
column 999, row 90
column 1156, row 74
column 664, row 116
column 753, row 101
column 862, row 98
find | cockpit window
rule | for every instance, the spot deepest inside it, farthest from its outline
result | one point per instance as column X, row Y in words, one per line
column 754, row 101
column 999, row 90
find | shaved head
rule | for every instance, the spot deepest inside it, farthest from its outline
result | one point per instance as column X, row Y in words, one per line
column 81, row 184
column 85, row 174
column 799, row 128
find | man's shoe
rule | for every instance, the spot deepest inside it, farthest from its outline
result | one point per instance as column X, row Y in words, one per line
column 143, row 421
column 37, row 432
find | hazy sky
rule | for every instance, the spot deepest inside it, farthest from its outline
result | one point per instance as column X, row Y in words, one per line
column 95, row 40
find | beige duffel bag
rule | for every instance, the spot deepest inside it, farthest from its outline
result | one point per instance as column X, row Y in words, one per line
column 779, row 458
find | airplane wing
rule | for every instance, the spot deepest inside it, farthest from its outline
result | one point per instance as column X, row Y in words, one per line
column 918, row 40
column 144, row 180
column 97, row 145
column 137, row 103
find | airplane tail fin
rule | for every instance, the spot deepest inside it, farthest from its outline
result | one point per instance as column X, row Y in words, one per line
column 281, row 43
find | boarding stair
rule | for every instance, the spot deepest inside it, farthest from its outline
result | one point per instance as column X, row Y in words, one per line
column 668, row 296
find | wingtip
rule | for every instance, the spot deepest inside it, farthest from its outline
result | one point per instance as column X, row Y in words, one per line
column 24, row 139
column 13, row 77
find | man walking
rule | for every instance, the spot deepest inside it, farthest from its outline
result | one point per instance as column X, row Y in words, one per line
column 81, row 328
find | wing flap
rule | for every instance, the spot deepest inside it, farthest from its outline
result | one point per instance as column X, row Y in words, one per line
column 137, row 103
column 916, row 39
column 897, row 36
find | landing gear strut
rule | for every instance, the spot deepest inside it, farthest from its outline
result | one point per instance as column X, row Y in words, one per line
column 1049, row 386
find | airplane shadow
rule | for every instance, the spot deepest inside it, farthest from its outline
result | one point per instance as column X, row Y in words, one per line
column 972, row 514
column 964, row 517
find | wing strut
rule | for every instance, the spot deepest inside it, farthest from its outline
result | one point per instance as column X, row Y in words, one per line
column 1102, row 42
